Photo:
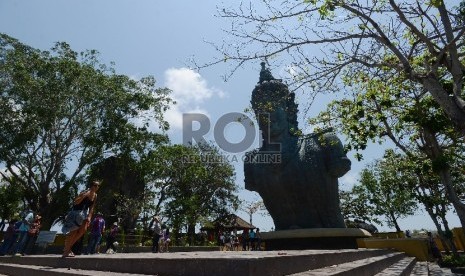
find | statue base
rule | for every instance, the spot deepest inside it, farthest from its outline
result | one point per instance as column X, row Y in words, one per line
column 314, row 238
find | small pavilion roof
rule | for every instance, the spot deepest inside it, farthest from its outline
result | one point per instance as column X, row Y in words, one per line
column 229, row 222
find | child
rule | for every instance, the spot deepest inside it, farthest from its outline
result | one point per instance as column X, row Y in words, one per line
column 111, row 238
column 166, row 239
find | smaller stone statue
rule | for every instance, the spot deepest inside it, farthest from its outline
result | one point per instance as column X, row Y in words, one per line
column 299, row 189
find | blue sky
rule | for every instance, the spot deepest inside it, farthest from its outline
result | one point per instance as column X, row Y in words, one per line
column 148, row 37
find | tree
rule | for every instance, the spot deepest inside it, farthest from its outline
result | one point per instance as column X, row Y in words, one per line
column 356, row 206
column 381, row 108
column 63, row 111
column 417, row 176
column 123, row 194
column 387, row 193
column 198, row 183
column 252, row 207
column 418, row 42
column 10, row 197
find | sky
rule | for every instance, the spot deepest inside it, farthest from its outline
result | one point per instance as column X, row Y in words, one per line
column 148, row 37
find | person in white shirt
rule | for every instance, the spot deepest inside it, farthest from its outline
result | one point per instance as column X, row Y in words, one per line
column 23, row 229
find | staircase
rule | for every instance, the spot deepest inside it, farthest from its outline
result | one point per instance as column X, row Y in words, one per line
column 292, row 262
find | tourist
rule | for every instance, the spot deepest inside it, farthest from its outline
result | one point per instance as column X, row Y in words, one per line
column 15, row 236
column 252, row 239
column 235, row 243
column 221, row 240
column 227, row 242
column 258, row 240
column 166, row 239
column 84, row 205
column 8, row 238
column 28, row 219
column 99, row 245
column 97, row 228
column 111, row 239
column 245, row 239
column 155, row 227
column 434, row 250
column 32, row 235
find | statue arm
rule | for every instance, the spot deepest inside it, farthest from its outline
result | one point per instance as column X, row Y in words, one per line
column 336, row 160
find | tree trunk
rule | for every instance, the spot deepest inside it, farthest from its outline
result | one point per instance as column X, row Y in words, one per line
column 394, row 221
column 452, row 195
column 452, row 105
column 45, row 206
column 445, row 176
column 191, row 233
column 434, row 219
column 448, row 237
column 442, row 236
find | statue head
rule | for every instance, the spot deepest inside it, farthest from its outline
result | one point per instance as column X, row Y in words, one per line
column 274, row 106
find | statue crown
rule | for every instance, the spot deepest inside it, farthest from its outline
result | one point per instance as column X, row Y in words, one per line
column 270, row 93
column 265, row 74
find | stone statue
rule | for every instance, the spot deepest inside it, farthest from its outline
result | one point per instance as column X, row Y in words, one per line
column 300, row 188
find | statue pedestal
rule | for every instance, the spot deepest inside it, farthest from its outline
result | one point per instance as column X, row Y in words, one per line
column 314, row 238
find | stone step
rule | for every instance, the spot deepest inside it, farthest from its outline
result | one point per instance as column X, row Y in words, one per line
column 401, row 268
column 436, row 270
column 203, row 263
column 363, row 267
column 420, row 269
column 28, row 270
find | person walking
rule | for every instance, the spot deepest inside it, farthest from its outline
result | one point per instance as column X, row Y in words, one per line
column 97, row 228
column 28, row 219
column 155, row 226
column 84, row 204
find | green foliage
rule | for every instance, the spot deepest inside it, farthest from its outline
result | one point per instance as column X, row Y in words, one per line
column 326, row 8
column 195, row 183
column 148, row 242
column 461, row 11
column 125, row 191
column 388, row 192
column 382, row 192
column 388, row 107
column 61, row 107
column 452, row 261
column 355, row 205
column 139, row 236
column 10, row 198
column 122, row 236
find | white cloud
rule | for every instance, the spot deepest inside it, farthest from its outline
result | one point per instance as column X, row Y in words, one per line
column 189, row 90
column 174, row 115
column 187, row 85
column 222, row 94
column 348, row 180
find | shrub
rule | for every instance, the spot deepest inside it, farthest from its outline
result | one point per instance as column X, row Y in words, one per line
column 451, row 261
